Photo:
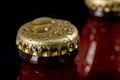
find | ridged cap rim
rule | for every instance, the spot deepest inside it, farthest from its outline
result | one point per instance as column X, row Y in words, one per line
column 47, row 37
column 104, row 5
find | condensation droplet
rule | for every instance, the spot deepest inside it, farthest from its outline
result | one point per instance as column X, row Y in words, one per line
column 119, row 69
column 112, row 57
column 58, row 33
column 76, row 45
column 71, row 45
column 66, row 23
column 70, row 32
column 93, row 30
column 103, row 30
column 37, row 72
column 53, row 21
column 87, row 69
column 117, row 48
column 55, row 32
column 65, row 29
column 69, row 29
column 91, row 37
column 46, row 28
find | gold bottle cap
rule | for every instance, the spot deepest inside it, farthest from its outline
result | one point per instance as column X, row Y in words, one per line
column 47, row 37
column 104, row 5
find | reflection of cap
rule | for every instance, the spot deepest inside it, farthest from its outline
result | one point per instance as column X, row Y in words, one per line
column 47, row 37
column 104, row 5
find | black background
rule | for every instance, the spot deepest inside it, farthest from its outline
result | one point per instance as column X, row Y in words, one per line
column 16, row 13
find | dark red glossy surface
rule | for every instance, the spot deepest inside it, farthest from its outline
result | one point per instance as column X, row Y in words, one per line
column 99, row 51
column 53, row 68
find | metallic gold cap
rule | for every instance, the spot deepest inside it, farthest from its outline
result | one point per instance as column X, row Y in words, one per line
column 47, row 37
column 104, row 5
